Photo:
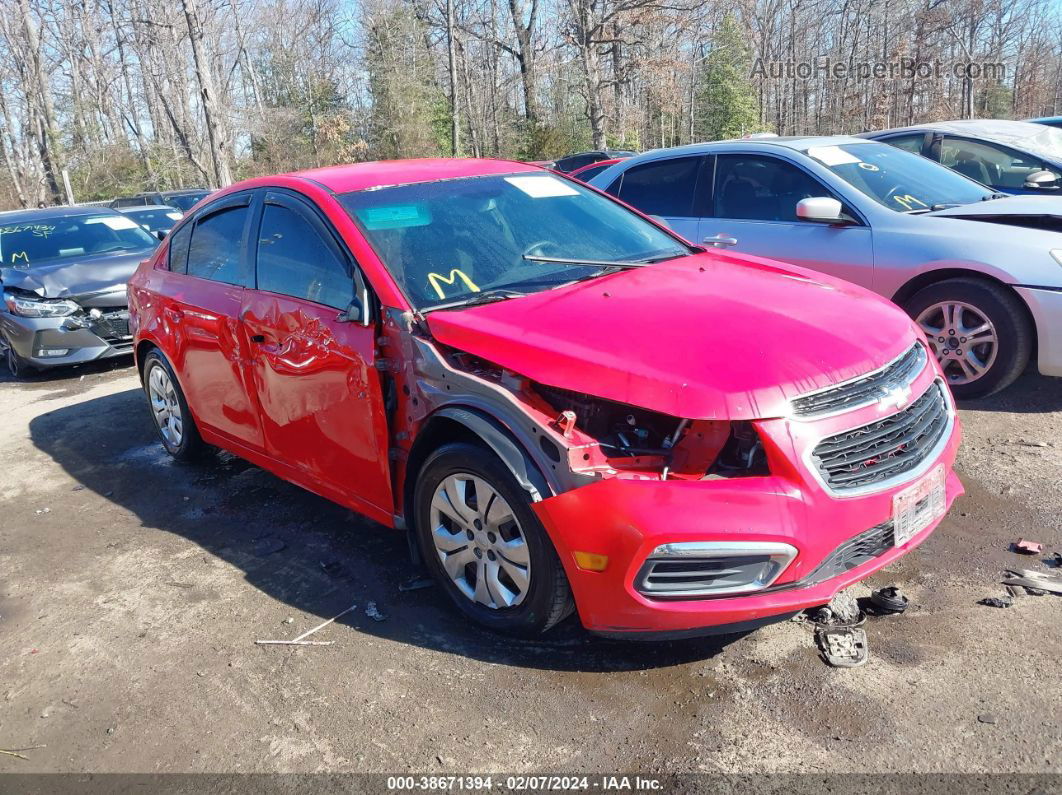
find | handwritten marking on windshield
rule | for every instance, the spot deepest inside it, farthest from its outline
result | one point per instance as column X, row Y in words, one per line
column 434, row 280
column 908, row 201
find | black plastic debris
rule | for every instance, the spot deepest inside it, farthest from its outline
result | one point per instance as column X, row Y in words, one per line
column 888, row 600
column 994, row 601
column 416, row 583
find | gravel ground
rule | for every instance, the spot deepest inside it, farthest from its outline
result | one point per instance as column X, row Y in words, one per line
column 132, row 590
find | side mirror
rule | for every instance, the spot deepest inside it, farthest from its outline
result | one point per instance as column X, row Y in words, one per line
column 821, row 209
column 1044, row 180
column 161, row 234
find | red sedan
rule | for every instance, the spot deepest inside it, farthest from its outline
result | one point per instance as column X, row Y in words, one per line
column 569, row 406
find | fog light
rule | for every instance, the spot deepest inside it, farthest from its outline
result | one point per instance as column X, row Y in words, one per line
column 590, row 561
column 713, row 568
column 46, row 353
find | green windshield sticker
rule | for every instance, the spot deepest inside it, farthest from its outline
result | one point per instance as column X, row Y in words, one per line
column 394, row 216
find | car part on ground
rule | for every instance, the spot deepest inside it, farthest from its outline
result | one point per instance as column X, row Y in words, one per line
column 888, row 600
column 1027, row 547
column 843, row 647
column 1036, row 580
column 884, row 218
column 512, row 413
column 996, row 601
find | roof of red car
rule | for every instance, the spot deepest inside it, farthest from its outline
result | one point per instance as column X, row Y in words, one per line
column 383, row 173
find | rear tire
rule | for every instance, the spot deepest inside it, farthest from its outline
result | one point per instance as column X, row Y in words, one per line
column 979, row 330
column 492, row 541
column 173, row 421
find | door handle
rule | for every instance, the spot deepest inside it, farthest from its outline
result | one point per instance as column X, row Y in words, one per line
column 720, row 241
column 258, row 338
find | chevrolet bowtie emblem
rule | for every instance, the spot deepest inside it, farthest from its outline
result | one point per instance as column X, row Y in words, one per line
column 895, row 396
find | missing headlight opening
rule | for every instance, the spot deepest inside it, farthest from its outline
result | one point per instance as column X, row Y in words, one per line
column 603, row 437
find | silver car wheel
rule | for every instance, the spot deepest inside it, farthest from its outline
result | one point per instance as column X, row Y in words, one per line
column 963, row 339
column 479, row 542
column 165, row 406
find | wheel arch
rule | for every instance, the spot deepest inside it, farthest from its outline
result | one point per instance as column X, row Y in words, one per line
column 909, row 289
column 461, row 423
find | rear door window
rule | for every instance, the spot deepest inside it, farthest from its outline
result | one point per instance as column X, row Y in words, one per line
column 294, row 259
column 216, row 250
column 663, row 187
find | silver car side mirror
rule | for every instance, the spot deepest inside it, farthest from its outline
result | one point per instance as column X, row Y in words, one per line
column 1043, row 179
column 822, row 209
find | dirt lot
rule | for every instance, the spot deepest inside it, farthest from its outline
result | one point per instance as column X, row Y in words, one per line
column 132, row 591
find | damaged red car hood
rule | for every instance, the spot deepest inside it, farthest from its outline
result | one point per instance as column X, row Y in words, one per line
column 710, row 336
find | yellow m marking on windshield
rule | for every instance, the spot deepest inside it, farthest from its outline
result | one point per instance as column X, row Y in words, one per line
column 437, row 279
column 20, row 255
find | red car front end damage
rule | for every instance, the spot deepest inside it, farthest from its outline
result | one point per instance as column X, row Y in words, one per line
column 710, row 443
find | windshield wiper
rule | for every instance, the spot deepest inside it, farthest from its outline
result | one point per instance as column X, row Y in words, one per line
column 602, row 263
column 482, row 297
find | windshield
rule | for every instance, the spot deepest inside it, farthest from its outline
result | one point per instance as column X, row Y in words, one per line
column 55, row 239
column 156, row 218
column 900, row 180
column 449, row 240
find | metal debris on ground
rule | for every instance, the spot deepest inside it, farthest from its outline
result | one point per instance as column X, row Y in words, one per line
column 996, row 601
column 301, row 640
column 1054, row 560
column 1034, row 581
column 416, row 583
column 1026, row 547
column 16, row 752
column 843, row 647
column 986, row 717
column 888, row 600
column 373, row 613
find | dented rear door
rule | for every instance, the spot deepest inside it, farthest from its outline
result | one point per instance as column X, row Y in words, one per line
column 313, row 371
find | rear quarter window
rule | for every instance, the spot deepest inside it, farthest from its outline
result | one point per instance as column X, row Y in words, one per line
column 216, row 249
column 179, row 243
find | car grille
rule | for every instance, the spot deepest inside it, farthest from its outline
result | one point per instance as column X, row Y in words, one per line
column 112, row 325
column 852, row 553
column 864, row 390
column 873, row 454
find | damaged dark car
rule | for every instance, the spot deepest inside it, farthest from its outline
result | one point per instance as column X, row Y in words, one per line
column 63, row 271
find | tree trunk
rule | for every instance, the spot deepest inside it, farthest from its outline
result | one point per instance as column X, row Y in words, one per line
column 215, row 127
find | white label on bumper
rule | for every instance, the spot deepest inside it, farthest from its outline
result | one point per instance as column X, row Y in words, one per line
column 915, row 508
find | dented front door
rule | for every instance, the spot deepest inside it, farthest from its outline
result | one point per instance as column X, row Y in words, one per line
column 313, row 371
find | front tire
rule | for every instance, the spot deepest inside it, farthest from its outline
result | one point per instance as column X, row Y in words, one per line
column 16, row 365
column 484, row 544
column 173, row 421
column 979, row 330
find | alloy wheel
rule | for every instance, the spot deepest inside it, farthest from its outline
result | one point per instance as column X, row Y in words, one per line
column 480, row 542
column 962, row 337
column 165, row 406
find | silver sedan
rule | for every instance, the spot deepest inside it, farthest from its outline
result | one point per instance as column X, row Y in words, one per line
column 981, row 272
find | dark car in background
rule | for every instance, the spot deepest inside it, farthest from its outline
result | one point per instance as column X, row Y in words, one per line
column 586, row 173
column 1007, row 156
column 572, row 162
column 158, row 219
column 183, row 200
column 1050, row 121
column 63, row 271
